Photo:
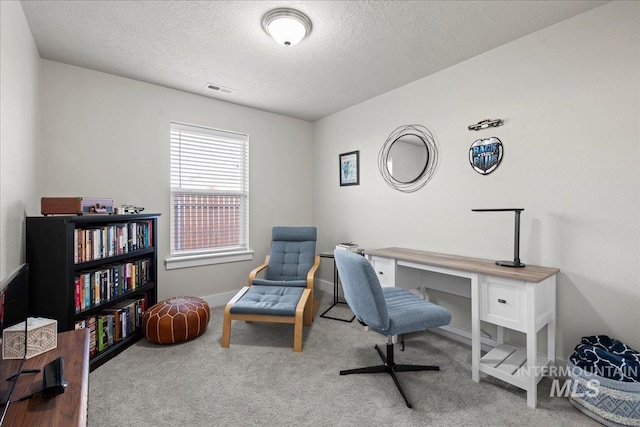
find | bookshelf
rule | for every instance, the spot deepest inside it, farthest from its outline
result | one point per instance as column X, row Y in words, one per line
column 94, row 271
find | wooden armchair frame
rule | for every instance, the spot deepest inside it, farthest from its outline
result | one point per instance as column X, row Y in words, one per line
column 304, row 315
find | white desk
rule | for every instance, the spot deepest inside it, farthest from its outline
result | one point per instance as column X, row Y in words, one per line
column 522, row 299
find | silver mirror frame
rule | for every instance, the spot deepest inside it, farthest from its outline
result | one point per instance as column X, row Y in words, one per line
column 431, row 165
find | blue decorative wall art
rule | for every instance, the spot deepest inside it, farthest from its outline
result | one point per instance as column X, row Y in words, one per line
column 485, row 155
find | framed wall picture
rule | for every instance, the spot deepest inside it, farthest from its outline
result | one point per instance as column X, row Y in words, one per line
column 350, row 168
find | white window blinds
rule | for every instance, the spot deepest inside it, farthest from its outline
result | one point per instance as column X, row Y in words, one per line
column 209, row 190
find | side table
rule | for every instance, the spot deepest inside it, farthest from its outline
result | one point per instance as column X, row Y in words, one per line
column 336, row 291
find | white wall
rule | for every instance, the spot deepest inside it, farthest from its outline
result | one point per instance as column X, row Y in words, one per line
column 569, row 96
column 107, row 136
column 19, row 132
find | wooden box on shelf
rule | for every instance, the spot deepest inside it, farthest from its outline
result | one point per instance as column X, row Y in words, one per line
column 75, row 205
column 81, row 267
column 42, row 336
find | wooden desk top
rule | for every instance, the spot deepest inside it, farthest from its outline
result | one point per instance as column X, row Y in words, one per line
column 67, row 409
column 530, row 273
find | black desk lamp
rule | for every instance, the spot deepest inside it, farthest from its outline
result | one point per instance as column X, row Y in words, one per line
column 516, row 244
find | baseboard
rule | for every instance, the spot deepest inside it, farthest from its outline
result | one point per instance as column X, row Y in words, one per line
column 217, row 300
column 324, row 286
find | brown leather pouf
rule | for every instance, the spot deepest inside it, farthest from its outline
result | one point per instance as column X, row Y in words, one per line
column 176, row 320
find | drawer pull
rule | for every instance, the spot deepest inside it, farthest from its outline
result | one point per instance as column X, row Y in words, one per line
column 502, row 301
column 380, row 272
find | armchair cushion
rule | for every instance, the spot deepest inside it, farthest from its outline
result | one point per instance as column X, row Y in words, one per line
column 269, row 300
column 292, row 283
column 292, row 253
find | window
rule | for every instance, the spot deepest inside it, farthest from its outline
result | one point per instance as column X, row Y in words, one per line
column 209, row 196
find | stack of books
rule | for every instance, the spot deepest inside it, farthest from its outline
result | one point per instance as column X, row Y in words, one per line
column 348, row 246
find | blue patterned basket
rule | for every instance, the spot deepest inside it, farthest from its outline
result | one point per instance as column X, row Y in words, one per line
column 604, row 378
column 615, row 403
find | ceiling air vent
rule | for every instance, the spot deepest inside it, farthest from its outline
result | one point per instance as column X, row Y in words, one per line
column 219, row 88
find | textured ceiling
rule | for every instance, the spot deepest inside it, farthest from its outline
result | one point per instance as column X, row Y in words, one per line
column 356, row 50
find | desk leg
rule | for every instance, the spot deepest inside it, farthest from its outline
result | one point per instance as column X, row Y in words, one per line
column 532, row 378
column 551, row 326
column 500, row 334
column 475, row 328
column 532, row 350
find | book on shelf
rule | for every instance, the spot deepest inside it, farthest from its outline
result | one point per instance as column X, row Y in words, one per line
column 77, row 294
column 101, row 331
column 99, row 286
column 108, row 326
column 91, row 325
column 86, row 278
column 115, row 315
column 127, row 326
column 102, row 335
column 98, row 242
column 131, row 312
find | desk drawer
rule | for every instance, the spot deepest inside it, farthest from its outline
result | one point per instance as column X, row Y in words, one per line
column 503, row 302
column 385, row 269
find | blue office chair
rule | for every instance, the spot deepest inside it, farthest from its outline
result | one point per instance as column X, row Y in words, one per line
column 285, row 294
column 390, row 311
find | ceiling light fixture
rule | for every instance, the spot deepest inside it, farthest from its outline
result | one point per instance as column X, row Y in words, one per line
column 287, row 26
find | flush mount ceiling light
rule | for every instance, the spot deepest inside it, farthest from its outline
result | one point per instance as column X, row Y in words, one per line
column 287, row 26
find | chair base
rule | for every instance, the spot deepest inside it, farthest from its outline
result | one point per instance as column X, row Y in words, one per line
column 390, row 367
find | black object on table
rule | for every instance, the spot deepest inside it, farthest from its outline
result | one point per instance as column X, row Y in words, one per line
column 336, row 292
column 516, row 237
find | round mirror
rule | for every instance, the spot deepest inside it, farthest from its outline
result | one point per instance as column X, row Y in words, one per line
column 410, row 155
column 409, row 158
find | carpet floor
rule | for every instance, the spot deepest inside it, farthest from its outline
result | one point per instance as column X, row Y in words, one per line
column 259, row 380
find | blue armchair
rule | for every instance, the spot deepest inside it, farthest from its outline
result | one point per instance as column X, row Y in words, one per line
column 285, row 294
column 390, row 311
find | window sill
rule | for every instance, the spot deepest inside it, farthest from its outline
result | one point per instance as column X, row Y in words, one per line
column 186, row 261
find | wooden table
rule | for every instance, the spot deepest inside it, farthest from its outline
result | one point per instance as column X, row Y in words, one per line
column 67, row 409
